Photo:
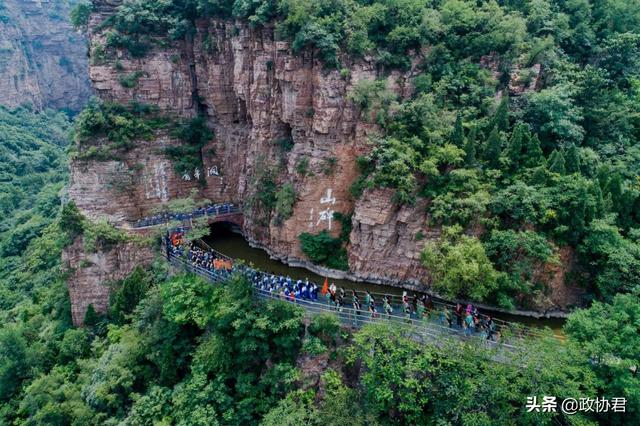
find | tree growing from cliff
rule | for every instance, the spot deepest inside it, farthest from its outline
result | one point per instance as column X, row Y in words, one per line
column 285, row 198
column 80, row 14
column 71, row 222
column 187, row 156
column 459, row 265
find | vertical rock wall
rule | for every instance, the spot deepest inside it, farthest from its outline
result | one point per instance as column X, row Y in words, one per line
column 43, row 61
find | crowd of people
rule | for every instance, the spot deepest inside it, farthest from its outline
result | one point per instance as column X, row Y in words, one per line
column 210, row 210
column 417, row 308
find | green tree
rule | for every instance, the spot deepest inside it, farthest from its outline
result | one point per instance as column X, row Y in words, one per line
column 557, row 162
column 188, row 299
column 91, row 317
column 457, row 137
column 74, row 345
column 553, row 115
column 573, row 160
column 324, row 249
column 470, row 147
column 493, row 150
column 125, row 297
column 285, row 198
column 295, row 409
column 71, row 221
column 613, row 260
column 460, row 266
column 403, row 381
column 501, row 117
column 607, row 333
column 533, row 155
column 80, row 14
column 14, row 361
column 516, row 142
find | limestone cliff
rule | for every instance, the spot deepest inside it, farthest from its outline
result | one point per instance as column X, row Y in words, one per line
column 43, row 61
column 255, row 91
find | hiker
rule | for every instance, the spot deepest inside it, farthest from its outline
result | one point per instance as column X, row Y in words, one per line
column 387, row 307
column 367, row 299
column 468, row 323
column 420, row 310
column 372, row 310
column 457, row 313
column 491, row 328
column 406, row 309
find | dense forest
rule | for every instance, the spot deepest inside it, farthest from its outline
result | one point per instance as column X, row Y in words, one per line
column 177, row 350
column 555, row 166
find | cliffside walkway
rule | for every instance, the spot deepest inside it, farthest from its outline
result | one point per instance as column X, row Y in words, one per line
column 214, row 212
column 507, row 334
column 433, row 329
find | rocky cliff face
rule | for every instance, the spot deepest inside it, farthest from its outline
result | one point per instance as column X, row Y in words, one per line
column 43, row 61
column 255, row 91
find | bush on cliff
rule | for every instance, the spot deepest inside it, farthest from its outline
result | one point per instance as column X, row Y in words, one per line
column 80, row 14
column 187, row 156
column 323, row 249
column 285, row 199
column 120, row 125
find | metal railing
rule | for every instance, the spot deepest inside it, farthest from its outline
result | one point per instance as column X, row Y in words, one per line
column 425, row 328
column 502, row 326
column 213, row 210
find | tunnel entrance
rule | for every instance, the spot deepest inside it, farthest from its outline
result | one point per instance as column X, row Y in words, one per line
column 224, row 229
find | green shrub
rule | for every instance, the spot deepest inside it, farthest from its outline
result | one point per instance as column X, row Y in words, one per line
column 302, row 167
column 262, row 199
column 345, row 225
column 313, row 346
column 324, row 249
column 71, row 221
column 285, row 198
column 375, row 100
column 194, row 134
column 285, row 144
column 80, row 14
column 326, row 327
column 460, row 266
column 329, row 166
column 121, row 125
column 101, row 235
column 130, row 81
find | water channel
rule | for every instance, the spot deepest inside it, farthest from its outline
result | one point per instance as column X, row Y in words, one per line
column 228, row 241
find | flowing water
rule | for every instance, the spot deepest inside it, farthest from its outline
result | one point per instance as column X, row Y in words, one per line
column 232, row 244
